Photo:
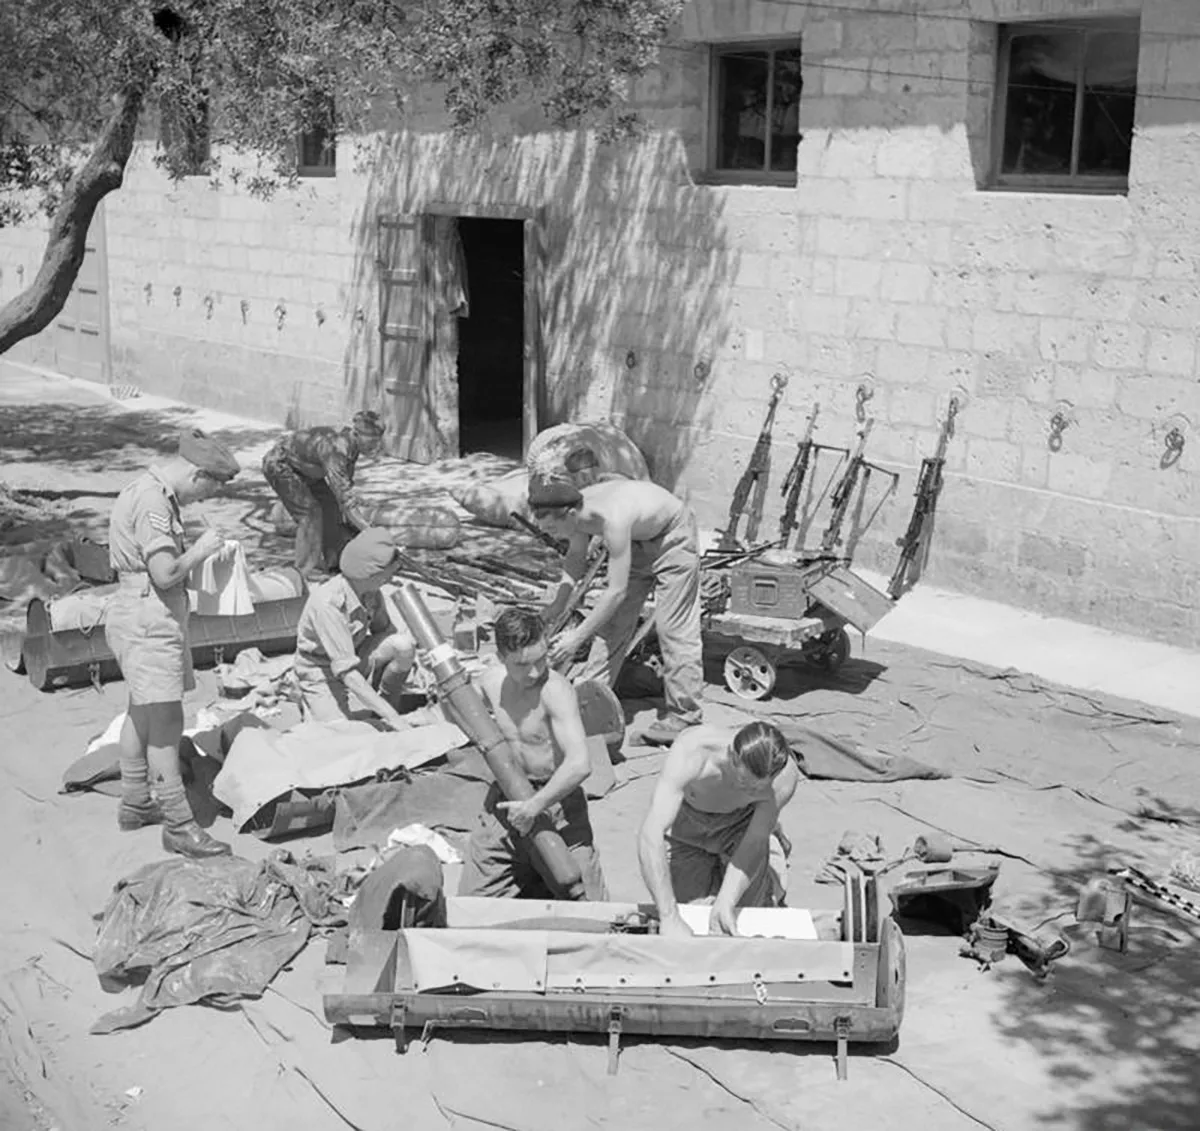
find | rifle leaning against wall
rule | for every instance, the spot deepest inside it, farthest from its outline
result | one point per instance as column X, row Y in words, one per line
column 794, row 483
column 842, row 494
column 754, row 477
column 914, row 546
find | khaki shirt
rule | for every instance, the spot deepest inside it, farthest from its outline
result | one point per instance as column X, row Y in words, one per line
column 145, row 519
column 335, row 623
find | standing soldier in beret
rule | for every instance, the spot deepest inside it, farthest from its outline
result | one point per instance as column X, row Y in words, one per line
column 146, row 626
column 312, row 472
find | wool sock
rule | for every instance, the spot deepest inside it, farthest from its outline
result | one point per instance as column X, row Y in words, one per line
column 168, row 786
column 135, row 771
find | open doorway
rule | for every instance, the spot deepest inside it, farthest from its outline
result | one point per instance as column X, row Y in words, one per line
column 491, row 339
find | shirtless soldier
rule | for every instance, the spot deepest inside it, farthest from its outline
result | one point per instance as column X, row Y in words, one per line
column 538, row 713
column 708, row 832
column 652, row 544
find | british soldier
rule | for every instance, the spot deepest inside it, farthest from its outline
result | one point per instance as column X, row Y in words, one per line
column 146, row 626
column 353, row 648
column 312, row 472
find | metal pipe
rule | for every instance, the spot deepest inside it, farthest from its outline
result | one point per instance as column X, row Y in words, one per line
column 471, row 714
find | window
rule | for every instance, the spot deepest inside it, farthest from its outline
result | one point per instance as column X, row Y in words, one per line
column 756, row 113
column 316, row 147
column 186, row 131
column 1065, row 105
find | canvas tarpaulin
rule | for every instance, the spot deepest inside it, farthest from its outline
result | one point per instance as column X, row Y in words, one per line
column 264, row 765
column 536, row 961
column 210, row 931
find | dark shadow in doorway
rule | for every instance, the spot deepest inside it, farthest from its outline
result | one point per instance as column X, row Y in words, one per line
column 491, row 372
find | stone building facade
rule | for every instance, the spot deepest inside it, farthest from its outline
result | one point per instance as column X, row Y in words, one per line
column 994, row 200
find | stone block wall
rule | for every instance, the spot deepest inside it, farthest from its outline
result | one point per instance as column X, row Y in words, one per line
column 667, row 301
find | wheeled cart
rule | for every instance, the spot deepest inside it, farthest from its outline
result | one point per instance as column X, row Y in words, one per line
column 781, row 602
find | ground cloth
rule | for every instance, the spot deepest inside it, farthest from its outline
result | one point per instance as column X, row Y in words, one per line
column 263, row 765
column 211, row 931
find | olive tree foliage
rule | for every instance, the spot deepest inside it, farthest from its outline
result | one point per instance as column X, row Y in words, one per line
column 81, row 80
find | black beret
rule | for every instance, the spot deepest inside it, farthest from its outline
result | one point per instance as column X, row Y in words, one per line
column 546, row 492
column 209, row 455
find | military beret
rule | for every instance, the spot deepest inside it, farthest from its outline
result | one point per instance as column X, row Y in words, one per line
column 548, row 492
column 209, row 455
column 368, row 553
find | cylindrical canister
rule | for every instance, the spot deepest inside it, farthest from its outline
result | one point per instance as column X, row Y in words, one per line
column 933, row 848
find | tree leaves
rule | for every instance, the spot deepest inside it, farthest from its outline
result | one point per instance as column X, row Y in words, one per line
column 266, row 71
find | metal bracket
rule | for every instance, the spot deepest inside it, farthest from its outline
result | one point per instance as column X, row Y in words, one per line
column 399, row 1015
column 841, row 1029
column 94, row 675
column 615, row 1014
column 218, row 654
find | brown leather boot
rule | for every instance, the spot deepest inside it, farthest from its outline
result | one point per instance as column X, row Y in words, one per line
column 192, row 841
column 131, row 817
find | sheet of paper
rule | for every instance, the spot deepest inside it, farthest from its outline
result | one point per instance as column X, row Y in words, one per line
column 757, row 922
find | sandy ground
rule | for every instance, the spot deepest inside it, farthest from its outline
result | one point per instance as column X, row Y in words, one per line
column 1061, row 781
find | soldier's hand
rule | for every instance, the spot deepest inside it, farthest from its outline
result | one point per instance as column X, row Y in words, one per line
column 722, row 919
column 208, row 544
column 564, row 647
column 673, row 927
column 521, row 814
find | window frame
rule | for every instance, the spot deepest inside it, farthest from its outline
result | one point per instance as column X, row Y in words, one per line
column 324, row 104
column 304, row 170
column 764, row 176
column 1054, row 182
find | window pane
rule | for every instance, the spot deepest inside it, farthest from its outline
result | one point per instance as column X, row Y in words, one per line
column 317, row 149
column 742, row 110
column 1039, row 106
column 1110, row 86
column 785, row 110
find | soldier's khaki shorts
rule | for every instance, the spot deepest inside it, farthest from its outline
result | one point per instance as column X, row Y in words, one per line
column 147, row 630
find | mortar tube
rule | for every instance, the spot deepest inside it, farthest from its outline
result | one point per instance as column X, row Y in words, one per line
column 472, row 716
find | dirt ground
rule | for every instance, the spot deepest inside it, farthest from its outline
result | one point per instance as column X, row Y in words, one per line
column 1062, row 782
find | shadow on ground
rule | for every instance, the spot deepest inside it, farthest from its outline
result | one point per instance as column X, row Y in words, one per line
column 1137, row 1010
column 100, row 437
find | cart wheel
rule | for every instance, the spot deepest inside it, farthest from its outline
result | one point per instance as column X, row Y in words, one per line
column 748, row 673
column 834, row 651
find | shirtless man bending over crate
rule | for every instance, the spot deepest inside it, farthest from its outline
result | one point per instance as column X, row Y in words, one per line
column 651, row 539
column 708, row 834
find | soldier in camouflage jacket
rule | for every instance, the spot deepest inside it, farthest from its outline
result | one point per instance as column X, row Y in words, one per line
column 312, row 472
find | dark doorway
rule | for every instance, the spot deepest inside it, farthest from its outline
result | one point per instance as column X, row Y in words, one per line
column 491, row 339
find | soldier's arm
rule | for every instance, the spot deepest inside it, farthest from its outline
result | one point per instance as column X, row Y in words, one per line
column 677, row 772
column 619, row 542
column 337, row 642
column 165, row 564
column 566, row 726
column 339, row 476
column 573, row 567
column 755, row 842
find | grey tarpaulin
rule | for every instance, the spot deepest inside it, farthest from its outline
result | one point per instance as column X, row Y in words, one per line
column 209, row 931
column 822, row 755
column 447, row 798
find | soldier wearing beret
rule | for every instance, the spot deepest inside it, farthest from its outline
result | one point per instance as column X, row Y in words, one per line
column 146, row 626
column 353, row 648
column 312, row 472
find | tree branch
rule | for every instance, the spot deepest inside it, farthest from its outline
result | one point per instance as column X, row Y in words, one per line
column 41, row 302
